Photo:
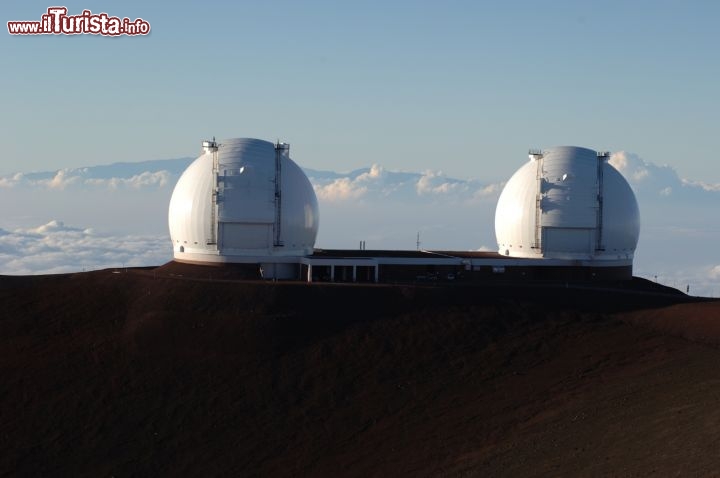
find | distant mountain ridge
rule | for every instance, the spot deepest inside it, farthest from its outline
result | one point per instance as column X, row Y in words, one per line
column 373, row 181
column 178, row 165
column 115, row 170
column 650, row 180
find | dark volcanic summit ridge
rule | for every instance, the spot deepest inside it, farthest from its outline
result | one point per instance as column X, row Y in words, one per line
column 168, row 372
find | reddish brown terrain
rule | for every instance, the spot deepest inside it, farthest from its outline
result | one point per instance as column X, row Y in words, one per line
column 177, row 373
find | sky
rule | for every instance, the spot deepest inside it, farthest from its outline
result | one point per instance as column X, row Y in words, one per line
column 462, row 86
column 454, row 93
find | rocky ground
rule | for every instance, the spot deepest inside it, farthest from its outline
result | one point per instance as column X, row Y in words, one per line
column 165, row 372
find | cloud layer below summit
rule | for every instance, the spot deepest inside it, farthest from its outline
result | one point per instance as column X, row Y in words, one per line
column 115, row 215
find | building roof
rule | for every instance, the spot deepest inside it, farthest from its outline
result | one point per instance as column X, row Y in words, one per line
column 421, row 254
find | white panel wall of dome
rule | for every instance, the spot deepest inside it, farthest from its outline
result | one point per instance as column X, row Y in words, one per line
column 569, row 188
column 621, row 215
column 515, row 214
column 246, row 180
column 300, row 215
column 246, row 207
column 565, row 225
column 189, row 212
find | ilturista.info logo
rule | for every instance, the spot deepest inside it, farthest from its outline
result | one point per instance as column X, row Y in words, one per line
column 57, row 22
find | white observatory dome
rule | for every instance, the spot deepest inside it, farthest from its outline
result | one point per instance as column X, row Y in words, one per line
column 568, row 203
column 242, row 199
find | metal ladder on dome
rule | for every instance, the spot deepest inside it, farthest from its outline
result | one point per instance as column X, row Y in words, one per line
column 212, row 147
column 537, row 156
column 602, row 157
column 280, row 150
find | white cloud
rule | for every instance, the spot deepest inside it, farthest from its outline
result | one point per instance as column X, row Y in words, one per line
column 56, row 248
column 157, row 174
column 61, row 180
column 649, row 178
column 10, row 181
column 630, row 165
column 147, row 179
column 702, row 185
column 387, row 208
column 376, row 183
column 491, row 190
column 143, row 180
column 356, row 184
column 55, row 226
column 638, row 171
column 435, row 182
column 340, row 190
column 376, row 172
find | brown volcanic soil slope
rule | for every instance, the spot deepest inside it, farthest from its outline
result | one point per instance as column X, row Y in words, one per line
column 135, row 375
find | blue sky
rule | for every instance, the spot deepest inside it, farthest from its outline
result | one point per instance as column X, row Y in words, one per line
column 466, row 87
